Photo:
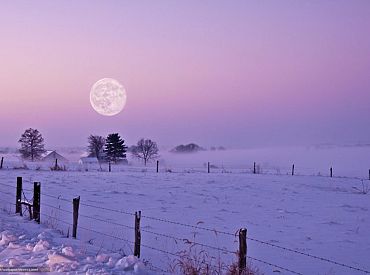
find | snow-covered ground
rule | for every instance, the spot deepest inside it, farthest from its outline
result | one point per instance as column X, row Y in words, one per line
column 322, row 216
column 309, row 213
column 26, row 246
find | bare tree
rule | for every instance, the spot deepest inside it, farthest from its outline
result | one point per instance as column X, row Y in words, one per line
column 32, row 144
column 96, row 146
column 146, row 150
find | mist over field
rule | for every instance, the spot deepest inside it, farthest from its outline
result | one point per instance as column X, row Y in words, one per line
column 347, row 161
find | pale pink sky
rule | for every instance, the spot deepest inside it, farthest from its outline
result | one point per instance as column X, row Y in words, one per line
column 232, row 73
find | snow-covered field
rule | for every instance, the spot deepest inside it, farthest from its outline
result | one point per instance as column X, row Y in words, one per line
column 316, row 215
column 322, row 216
column 347, row 161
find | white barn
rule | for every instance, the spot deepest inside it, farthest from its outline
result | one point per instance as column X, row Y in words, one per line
column 52, row 156
column 88, row 161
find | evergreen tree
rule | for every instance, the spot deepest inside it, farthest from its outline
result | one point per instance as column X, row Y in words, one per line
column 32, row 144
column 115, row 148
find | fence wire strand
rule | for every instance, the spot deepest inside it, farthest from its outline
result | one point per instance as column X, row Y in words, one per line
column 108, row 209
column 274, row 265
column 7, row 185
column 188, row 225
column 47, row 215
column 106, row 221
column 5, row 193
column 308, row 255
column 55, row 197
column 107, row 235
column 225, row 268
column 57, row 208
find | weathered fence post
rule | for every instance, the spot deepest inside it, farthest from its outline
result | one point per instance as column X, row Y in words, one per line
column 36, row 201
column 109, row 167
column 254, row 167
column 1, row 163
column 18, row 196
column 56, row 165
column 293, row 170
column 76, row 206
column 242, row 250
column 137, row 234
column 331, row 172
column 208, row 168
column 157, row 166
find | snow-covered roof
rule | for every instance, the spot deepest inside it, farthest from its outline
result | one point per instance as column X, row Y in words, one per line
column 88, row 160
column 47, row 152
column 52, row 155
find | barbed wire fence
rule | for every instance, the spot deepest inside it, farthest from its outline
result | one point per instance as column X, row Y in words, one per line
column 216, row 167
column 137, row 230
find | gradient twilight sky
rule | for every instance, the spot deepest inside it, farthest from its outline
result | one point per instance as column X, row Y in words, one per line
column 232, row 73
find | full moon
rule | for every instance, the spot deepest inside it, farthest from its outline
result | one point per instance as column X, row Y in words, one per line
column 108, row 97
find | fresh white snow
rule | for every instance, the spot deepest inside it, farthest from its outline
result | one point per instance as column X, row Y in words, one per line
column 25, row 245
column 316, row 215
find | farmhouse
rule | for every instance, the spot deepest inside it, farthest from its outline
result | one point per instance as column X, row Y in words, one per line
column 88, row 160
column 52, row 156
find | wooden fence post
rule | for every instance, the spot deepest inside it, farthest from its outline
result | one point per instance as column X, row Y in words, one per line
column 208, row 168
column 137, row 234
column 157, row 166
column 293, row 170
column 242, row 250
column 76, row 206
column 18, row 196
column 1, row 163
column 254, row 167
column 109, row 167
column 36, row 201
column 331, row 172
